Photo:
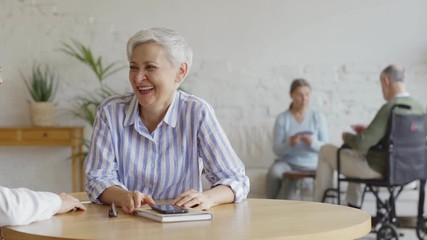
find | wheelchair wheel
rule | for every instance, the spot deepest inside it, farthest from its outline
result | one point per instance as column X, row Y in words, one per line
column 387, row 232
column 422, row 229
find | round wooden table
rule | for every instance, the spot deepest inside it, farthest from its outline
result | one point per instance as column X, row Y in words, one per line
column 251, row 219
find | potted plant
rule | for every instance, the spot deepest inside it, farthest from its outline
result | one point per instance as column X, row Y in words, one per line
column 42, row 86
column 86, row 104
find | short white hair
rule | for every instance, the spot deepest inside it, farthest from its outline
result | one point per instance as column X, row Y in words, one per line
column 394, row 72
column 176, row 46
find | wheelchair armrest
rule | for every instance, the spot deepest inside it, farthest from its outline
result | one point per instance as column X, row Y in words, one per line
column 345, row 146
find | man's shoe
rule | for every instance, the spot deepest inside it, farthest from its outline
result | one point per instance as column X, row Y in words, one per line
column 353, row 206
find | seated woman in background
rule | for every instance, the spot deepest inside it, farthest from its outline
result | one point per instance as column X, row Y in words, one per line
column 299, row 132
column 153, row 143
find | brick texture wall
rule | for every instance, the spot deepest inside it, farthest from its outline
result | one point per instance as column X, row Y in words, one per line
column 246, row 56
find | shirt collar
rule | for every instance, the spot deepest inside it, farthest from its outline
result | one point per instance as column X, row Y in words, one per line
column 132, row 111
column 172, row 113
column 170, row 118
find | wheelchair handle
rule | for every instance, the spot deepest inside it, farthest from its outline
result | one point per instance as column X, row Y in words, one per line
column 402, row 106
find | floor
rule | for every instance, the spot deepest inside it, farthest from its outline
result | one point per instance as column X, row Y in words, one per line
column 405, row 232
column 406, row 209
column 408, row 234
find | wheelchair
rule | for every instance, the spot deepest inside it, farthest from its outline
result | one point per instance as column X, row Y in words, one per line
column 406, row 146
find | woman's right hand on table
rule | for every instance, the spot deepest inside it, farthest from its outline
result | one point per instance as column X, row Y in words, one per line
column 127, row 200
column 134, row 199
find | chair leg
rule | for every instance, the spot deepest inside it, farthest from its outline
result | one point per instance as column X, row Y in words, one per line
column 339, row 192
column 329, row 194
column 392, row 202
column 365, row 189
column 301, row 187
column 338, row 157
column 421, row 221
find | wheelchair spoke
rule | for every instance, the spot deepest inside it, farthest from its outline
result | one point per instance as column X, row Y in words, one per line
column 422, row 229
column 387, row 232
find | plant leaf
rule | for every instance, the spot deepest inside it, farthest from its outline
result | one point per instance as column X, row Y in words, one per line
column 43, row 83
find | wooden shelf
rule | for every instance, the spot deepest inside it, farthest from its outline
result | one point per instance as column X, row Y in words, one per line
column 50, row 136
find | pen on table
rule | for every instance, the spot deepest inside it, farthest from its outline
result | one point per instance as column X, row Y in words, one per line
column 113, row 211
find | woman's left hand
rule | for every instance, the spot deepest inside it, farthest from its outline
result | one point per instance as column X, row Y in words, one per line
column 193, row 199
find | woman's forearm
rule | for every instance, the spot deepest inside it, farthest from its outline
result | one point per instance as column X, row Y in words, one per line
column 113, row 194
column 220, row 194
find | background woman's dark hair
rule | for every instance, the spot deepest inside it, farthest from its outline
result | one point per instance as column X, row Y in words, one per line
column 299, row 82
column 296, row 83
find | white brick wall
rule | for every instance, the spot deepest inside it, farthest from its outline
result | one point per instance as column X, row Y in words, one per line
column 246, row 56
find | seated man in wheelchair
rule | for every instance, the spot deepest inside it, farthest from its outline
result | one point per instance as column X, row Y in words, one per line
column 359, row 161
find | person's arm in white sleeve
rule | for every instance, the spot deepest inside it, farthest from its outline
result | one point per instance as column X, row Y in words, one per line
column 22, row 206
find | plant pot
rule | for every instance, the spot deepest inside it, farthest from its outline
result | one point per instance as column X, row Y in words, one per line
column 42, row 114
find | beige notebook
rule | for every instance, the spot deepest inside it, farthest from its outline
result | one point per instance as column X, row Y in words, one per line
column 192, row 215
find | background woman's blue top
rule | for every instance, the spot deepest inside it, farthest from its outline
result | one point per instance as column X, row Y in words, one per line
column 300, row 154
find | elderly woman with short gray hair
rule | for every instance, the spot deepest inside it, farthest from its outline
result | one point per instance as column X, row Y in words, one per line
column 155, row 142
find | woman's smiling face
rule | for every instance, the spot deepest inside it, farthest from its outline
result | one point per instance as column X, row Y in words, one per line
column 153, row 77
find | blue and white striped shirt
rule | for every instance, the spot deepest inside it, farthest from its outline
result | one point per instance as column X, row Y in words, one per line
column 167, row 162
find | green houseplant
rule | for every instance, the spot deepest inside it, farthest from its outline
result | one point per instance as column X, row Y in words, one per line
column 86, row 105
column 42, row 86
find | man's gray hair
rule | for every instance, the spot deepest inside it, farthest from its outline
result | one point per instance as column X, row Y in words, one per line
column 175, row 45
column 394, row 73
